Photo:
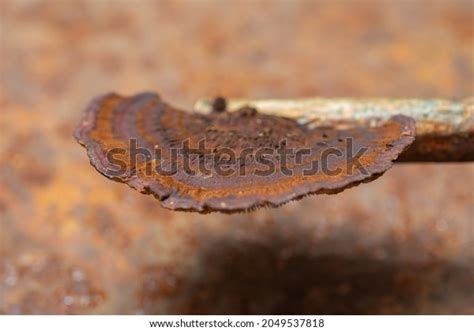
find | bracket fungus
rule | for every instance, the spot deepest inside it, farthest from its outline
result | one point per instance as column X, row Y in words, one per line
column 232, row 161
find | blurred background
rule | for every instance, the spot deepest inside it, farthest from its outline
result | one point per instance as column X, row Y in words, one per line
column 72, row 241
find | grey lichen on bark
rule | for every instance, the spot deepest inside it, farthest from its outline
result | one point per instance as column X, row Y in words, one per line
column 445, row 128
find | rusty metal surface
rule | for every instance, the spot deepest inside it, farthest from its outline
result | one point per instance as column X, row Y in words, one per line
column 72, row 242
column 232, row 161
column 444, row 128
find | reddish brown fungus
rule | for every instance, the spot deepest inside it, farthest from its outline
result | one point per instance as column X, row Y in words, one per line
column 219, row 104
column 232, row 161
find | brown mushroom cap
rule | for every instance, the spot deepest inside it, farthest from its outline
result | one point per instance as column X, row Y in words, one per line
column 232, row 161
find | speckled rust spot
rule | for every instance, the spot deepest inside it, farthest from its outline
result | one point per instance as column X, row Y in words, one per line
column 238, row 162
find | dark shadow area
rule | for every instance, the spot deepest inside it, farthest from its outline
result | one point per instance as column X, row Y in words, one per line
column 241, row 277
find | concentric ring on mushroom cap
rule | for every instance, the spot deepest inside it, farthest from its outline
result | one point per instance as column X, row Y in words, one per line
column 237, row 158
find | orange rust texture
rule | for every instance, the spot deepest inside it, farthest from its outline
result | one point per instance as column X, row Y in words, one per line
column 74, row 242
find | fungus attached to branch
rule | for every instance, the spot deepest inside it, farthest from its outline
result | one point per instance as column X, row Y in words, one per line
column 232, row 161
